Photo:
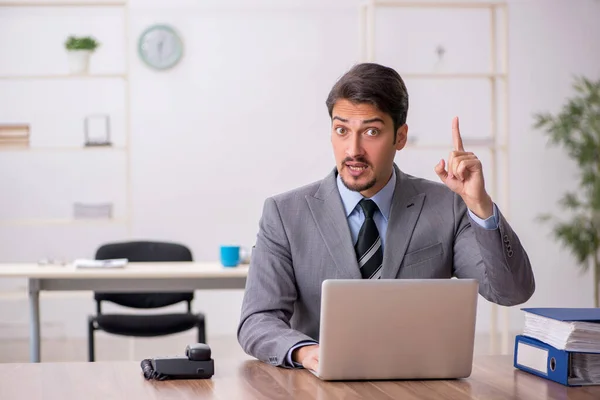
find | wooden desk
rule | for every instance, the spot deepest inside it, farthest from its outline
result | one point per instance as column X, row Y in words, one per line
column 493, row 377
column 155, row 277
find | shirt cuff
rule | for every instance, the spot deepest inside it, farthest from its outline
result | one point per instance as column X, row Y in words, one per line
column 290, row 362
column 490, row 223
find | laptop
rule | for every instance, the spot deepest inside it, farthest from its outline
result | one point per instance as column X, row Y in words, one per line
column 392, row 329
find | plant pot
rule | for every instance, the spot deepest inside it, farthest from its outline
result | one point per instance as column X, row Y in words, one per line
column 79, row 61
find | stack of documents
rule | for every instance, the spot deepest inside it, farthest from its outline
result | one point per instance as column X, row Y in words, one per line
column 585, row 368
column 561, row 344
column 565, row 329
column 14, row 135
column 112, row 263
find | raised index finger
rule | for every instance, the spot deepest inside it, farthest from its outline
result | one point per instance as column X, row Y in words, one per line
column 458, row 144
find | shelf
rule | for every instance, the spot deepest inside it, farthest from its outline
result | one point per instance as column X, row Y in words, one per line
column 469, row 144
column 64, row 221
column 54, row 149
column 63, row 76
column 468, row 147
column 409, row 75
column 405, row 75
column 449, row 147
column 424, row 4
column 62, row 4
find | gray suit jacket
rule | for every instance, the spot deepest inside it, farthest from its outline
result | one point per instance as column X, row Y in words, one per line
column 304, row 239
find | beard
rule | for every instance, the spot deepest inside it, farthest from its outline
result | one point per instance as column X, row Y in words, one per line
column 359, row 187
column 351, row 184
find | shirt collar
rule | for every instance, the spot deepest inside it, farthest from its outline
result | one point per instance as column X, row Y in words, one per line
column 383, row 198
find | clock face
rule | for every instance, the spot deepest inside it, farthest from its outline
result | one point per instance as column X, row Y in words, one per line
column 160, row 47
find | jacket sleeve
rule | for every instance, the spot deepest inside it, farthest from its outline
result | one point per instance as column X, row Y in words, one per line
column 495, row 257
column 264, row 330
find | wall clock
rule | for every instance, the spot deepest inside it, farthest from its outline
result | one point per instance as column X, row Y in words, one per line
column 160, row 47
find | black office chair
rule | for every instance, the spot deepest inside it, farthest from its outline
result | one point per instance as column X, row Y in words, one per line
column 144, row 325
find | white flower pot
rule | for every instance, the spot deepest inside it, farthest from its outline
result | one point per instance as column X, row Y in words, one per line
column 79, row 61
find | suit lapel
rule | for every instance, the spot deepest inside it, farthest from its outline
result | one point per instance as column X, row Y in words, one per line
column 407, row 203
column 328, row 212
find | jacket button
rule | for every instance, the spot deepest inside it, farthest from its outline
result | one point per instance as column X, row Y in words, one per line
column 505, row 238
column 510, row 253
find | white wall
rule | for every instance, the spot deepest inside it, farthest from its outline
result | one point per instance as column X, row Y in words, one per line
column 243, row 117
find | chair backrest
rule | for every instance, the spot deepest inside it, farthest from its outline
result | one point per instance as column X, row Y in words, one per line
column 144, row 251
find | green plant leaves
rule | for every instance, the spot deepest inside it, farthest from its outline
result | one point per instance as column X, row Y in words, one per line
column 81, row 43
column 576, row 128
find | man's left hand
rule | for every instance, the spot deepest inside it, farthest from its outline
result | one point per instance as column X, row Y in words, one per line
column 465, row 177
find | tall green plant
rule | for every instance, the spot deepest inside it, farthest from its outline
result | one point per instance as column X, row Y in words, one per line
column 577, row 129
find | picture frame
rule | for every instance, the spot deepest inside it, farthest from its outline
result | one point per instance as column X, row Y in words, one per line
column 97, row 130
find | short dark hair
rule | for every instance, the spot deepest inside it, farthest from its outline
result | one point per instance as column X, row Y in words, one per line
column 374, row 84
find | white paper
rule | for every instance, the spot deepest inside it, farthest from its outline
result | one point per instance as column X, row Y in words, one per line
column 574, row 336
column 532, row 357
column 112, row 263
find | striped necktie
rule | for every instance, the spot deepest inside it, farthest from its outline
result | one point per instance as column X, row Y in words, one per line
column 368, row 246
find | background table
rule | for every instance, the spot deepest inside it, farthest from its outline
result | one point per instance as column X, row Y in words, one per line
column 152, row 276
column 493, row 377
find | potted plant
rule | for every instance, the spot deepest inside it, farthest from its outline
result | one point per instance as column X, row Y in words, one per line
column 577, row 129
column 79, row 50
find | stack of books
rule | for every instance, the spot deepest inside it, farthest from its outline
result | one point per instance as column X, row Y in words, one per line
column 14, row 136
column 560, row 344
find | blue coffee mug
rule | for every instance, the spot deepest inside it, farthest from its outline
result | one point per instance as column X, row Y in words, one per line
column 230, row 256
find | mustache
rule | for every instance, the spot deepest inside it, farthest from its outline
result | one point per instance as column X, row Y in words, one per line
column 356, row 159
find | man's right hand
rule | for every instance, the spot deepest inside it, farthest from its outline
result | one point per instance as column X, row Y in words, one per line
column 308, row 356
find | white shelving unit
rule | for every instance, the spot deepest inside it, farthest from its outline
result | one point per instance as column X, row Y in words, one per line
column 125, row 148
column 497, row 75
column 61, row 149
column 62, row 76
column 51, row 3
column 66, row 221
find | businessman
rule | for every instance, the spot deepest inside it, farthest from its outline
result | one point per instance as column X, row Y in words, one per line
column 369, row 220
